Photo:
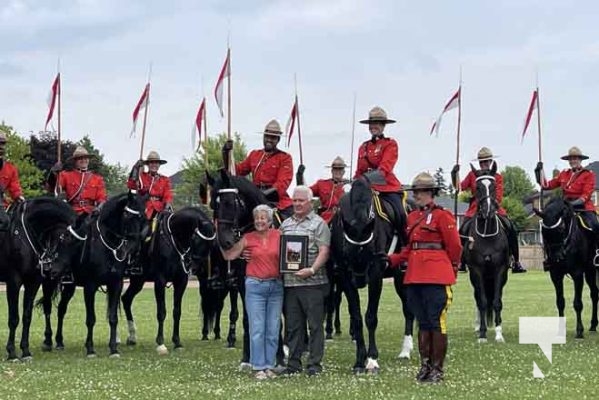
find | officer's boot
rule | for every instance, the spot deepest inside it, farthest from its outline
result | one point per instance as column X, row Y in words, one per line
column 424, row 348
column 439, row 351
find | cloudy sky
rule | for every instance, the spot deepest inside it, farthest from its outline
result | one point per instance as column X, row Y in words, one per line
column 402, row 55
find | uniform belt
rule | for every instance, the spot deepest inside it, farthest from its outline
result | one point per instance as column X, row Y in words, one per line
column 155, row 198
column 427, row 246
column 262, row 186
column 81, row 203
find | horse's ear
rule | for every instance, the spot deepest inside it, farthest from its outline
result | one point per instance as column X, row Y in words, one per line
column 209, row 178
column 224, row 175
column 472, row 168
column 493, row 168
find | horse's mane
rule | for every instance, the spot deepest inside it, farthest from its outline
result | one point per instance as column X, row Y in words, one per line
column 43, row 213
column 247, row 190
column 187, row 218
column 360, row 199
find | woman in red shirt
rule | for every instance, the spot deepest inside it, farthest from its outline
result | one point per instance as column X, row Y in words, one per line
column 263, row 290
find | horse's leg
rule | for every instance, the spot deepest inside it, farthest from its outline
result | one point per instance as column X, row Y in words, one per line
column 578, row 286
column 114, row 295
column 159, row 289
column 477, row 282
column 375, row 288
column 89, row 295
column 500, row 281
column 591, row 279
column 233, row 317
column 66, row 294
column 219, row 305
column 13, row 287
column 178, row 291
column 408, row 340
column 48, row 287
column 337, row 296
column 329, row 303
column 136, row 284
column 205, row 292
column 353, row 303
column 31, row 289
column 246, row 328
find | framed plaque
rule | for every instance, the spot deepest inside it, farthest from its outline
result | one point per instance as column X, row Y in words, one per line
column 293, row 253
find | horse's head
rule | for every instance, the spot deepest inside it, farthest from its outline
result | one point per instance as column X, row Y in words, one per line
column 357, row 215
column 203, row 232
column 71, row 245
column 486, row 196
column 233, row 199
column 556, row 218
column 123, row 216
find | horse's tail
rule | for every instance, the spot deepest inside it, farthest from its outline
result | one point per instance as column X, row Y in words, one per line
column 39, row 304
column 490, row 295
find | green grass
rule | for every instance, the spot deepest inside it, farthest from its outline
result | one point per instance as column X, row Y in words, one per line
column 208, row 370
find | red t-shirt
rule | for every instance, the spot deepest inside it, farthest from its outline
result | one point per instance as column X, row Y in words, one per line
column 264, row 263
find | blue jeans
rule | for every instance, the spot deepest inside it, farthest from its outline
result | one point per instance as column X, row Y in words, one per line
column 264, row 304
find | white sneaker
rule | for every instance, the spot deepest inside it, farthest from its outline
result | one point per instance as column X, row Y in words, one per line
column 261, row 375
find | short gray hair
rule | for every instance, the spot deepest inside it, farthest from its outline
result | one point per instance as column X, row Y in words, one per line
column 265, row 209
column 304, row 189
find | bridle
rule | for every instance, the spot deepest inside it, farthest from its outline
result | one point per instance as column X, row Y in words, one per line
column 183, row 253
column 239, row 206
column 491, row 214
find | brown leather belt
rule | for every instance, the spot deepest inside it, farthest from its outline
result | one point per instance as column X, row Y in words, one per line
column 427, row 246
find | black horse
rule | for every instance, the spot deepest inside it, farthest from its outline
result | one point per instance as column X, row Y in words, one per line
column 97, row 251
column 487, row 254
column 361, row 239
column 30, row 249
column 569, row 248
column 233, row 199
column 179, row 239
column 218, row 280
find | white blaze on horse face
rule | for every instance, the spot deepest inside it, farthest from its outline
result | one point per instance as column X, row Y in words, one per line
column 487, row 184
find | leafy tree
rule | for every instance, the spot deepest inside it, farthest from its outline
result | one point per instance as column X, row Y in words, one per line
column 43, row 149
column 17, row 152
column 440, row 180
column 516, row 183
column 515, row 209
column 115, row 175
column 193, row 171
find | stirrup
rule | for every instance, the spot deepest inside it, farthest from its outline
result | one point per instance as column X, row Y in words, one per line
column 133, row 271
column 596, row 258
column 67, row 279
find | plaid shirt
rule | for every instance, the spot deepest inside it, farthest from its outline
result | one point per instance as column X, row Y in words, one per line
column 313, row 226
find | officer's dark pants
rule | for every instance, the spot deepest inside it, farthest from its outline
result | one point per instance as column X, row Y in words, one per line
column 429, row 303
column 301, row 304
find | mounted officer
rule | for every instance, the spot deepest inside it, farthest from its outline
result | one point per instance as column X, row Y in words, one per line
column 329, row 191
column 485, row 161
column 380, row 154
column 156, row 186
column 271, row 168
column 84, row 190
column 577, row 184
column 9, row 182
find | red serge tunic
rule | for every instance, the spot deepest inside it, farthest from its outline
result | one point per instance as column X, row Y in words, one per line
column 264, row 263
column 575, row 185
column 469, row 183
column 9, row 182
column 92, row 192
column 380, row 154
column 431, row 266
column 269, row 170
column 159, row 189
column 329, row 192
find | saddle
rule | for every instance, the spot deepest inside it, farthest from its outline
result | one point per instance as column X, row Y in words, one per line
column 583, row 223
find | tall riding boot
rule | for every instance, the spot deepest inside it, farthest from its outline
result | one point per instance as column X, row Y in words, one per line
column 425, row 350
column 439, row 341
column 515, row 249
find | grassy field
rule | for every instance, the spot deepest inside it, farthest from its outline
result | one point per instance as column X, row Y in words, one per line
column 207, row 370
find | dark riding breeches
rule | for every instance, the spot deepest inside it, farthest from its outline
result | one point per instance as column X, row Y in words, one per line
column 396, row 201
column 590, row 220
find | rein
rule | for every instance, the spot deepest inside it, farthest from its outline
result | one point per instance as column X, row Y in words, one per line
column 42, row 258
column 105, row 243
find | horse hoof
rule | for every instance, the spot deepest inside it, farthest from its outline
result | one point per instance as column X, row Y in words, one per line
column 329, row 337
column 359, row 370
column 204, row 338
column 244, row 366
column 27, row 358
column 46, row 347
column 131, row 342
column 406, row 347
column 216, row 337
column 13, row 359
column 499, row 339
column 60, row 347
column 178, row 347
column 230, row 345
column 482, row 340
column 161, row 350
column 91, row 355
column 372, row 366
column 579, row 336
column 114, row 355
